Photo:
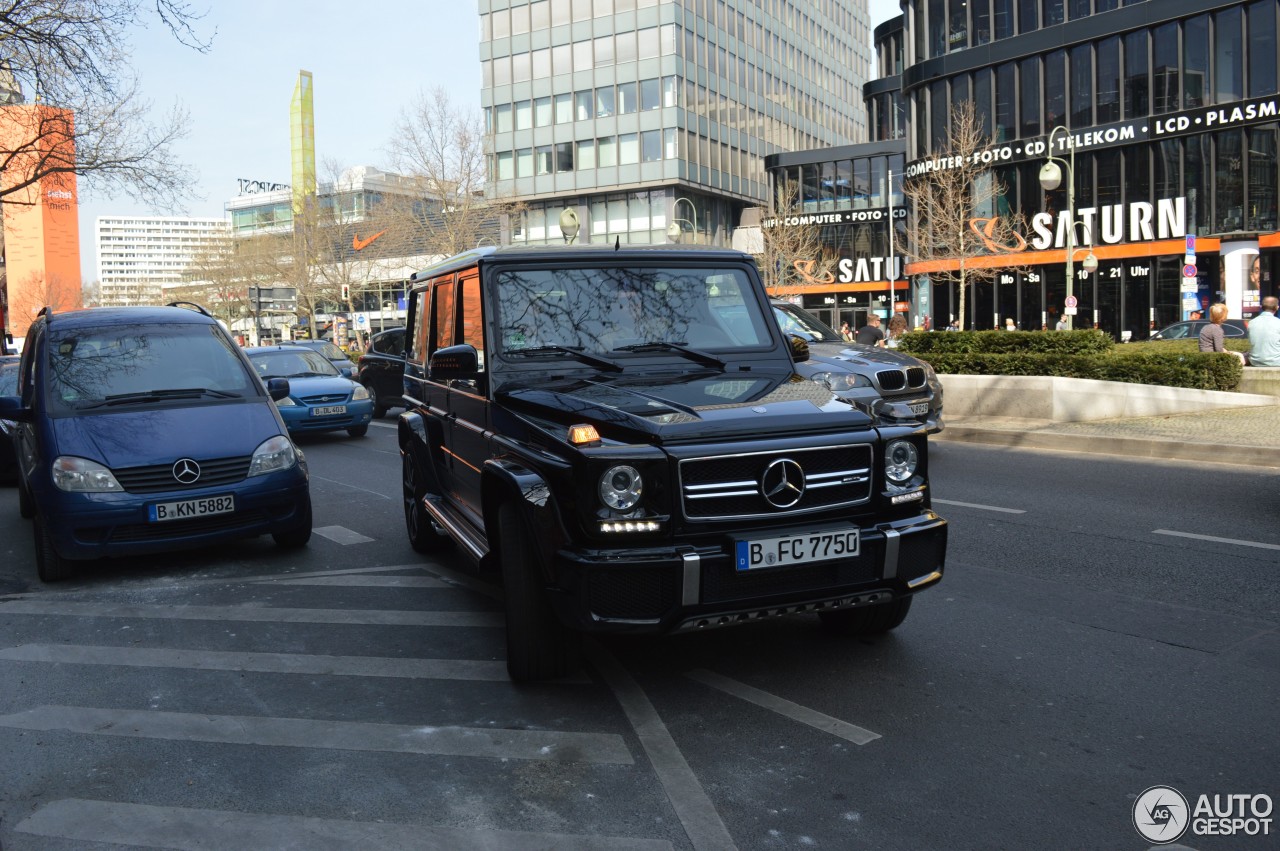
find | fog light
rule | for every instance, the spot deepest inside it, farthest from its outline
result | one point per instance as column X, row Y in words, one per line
column 613, row 526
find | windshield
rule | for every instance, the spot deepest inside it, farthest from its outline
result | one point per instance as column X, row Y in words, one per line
column 91, row 365
column 793, row 320
column 293, row 363
column 330, row 351
column 602, row 309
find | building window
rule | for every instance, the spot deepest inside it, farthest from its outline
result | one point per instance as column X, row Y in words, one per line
column 1228, row 71
column 1262, row 179
column 628, row 149
column 505, row 166
column 627, row 100
column 542, row 160
column 1108, row 103
column 605, row 105
column 1136, row 81
column 502, row 118
column 1165, row 67
column 524, row 115
column 542, row 112
column 1029, row 73
column 564, row 156
column 1195, row 61
column 524, row 162
column 651, row 146
column 582, row 108
column 564, row 108
column 1262, row 48
column 606, row 152
column 586, row 154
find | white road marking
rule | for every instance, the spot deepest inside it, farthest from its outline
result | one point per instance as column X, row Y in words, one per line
column 981, row 507
column 362, row 582
column 184, row 828
column 1217, row 540
column 548, row 745
column 698, row 816
column 341, row 535
column 269, row 663
column 384, row 425
column 258, row 614
column 782, row 706
column 354, row 487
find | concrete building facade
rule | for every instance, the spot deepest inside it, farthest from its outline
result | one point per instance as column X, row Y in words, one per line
column 138, row 256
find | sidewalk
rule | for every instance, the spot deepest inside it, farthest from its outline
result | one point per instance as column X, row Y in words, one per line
column 1230, row 435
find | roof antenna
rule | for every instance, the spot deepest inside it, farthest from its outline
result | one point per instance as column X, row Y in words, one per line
column 617, row 243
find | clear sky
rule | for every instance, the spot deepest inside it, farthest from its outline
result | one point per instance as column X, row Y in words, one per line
column 368, row 60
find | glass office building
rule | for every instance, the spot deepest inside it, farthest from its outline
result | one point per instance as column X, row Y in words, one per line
column 652, row 118
column 1170, row 111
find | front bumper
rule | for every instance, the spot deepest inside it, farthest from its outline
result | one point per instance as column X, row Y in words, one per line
column 298, row 419
column 90, row 526
column 696, row 586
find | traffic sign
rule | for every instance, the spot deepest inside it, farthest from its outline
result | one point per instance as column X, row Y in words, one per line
column 1071, row 301
column 1189, row 270
column 1070, row 311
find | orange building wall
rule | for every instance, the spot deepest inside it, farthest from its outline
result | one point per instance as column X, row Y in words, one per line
column 41, row 222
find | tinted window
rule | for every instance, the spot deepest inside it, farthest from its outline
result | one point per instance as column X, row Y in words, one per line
column 599, row 309
column 96, row 364
column 330, row 351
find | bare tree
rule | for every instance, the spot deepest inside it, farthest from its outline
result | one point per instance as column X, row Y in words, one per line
column 441, row 147
column 40, row 291
column 792, row 255
column 70, row 58
column 958, row 217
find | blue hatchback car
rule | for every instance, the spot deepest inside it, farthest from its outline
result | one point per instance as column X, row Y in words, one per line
column 320, row 398
column 143, row 430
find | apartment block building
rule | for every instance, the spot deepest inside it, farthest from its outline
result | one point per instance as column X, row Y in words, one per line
column 138, row 256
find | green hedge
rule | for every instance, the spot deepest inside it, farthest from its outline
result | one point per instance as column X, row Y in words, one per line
column 1073, row 354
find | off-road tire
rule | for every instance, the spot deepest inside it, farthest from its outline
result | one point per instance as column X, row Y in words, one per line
column 875, row 619
column 539, row 647
column 424, row 537
column 298, row 536
column 50, row 566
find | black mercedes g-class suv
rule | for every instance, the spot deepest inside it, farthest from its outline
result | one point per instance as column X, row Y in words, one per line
column 620, row 434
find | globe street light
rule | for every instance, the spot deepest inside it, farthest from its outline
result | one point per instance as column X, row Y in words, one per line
column 1051, row 179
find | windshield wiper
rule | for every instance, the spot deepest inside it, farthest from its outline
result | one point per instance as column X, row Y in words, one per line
column 663, row 346
column 162, row 395
column 577, row 353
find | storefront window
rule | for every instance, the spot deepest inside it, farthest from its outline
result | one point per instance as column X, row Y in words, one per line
column 844, row 185
column 1055, row 89
column 1228, row 70
column 1006, row 92
column 1262, row 48
column 1228, row 180
column 1029, row 73
column 1195, row 61
column 828, row 186
column 1002, row 11
column 1136, row 82
column 1164, row 56
column 958, row 25
column 1082, row 86
column 1137, row 173
column 1108, row 106
column 1262, row 179
column 861, row 184
column 1194, row 181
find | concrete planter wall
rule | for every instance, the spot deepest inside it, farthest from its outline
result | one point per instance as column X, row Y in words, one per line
column 1034, row 397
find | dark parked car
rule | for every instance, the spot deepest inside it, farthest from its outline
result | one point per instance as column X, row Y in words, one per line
column 865, row 374
column 8, row 387
column 381, row 370
column 144, row 430
column 1190, row 330
column 329, row 352
column 619, row 433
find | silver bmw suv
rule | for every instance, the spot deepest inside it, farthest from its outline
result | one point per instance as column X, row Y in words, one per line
column 864, row 375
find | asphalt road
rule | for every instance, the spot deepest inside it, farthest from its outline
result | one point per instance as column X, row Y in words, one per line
column 1104, row 627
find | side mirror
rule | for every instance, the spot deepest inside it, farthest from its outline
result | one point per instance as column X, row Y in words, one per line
column 11, row 409
column 454, row 362
column 799, row 348
column 346, row 372
column 277, row 388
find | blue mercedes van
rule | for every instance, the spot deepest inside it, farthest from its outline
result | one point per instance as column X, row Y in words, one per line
column 143, row 430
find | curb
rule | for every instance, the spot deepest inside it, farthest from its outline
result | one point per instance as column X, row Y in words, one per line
column 1129, row 447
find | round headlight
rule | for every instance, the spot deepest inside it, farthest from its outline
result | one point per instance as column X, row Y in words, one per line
column 900, row 460
column 620, row 487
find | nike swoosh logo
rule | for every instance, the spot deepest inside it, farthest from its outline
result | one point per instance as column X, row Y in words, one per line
column 357, row 243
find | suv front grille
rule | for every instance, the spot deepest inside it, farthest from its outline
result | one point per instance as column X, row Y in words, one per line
column 731, row 486
column 893, row 380
column 159, row 477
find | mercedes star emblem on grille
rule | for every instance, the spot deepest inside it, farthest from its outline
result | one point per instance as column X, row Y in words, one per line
column 782, row 484
column 186, row 471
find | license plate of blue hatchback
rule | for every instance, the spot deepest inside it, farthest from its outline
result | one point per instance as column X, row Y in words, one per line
column 188, row 509
column 329, row 411
column 796, row 549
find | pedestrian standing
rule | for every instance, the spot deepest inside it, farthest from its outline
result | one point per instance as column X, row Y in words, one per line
column 1009, row 324
column 846, row 333
column 870, row 334
column 1212, row 337
column 1264, row 335
column 1062, row 323
column 897, row 327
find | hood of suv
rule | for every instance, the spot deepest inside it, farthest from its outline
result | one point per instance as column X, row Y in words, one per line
column 155, row 435
column 854, row 357
column 666, row 408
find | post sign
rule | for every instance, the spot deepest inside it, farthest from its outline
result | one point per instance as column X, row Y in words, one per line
column 1189, row 270
column 1071, row 302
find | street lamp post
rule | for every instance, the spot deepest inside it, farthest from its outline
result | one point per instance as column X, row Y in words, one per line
column 1051, row 179
column 676, row 209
